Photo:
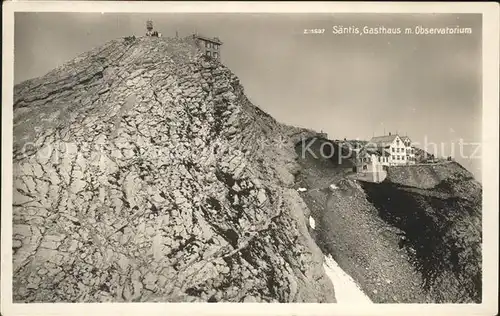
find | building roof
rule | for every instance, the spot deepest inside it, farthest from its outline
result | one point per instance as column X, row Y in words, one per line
column 382, row 141
column 405, row 138
column 215, row 40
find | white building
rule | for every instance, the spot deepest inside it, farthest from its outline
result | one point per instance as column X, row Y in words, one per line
column 391, row 150
column 410, row 151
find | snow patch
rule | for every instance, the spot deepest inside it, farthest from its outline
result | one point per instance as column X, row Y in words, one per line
column 333, row 186
column 302, row 189
column 312, row 222
column 346, row 289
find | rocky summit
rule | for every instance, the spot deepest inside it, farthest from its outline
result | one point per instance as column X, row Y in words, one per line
column 143, row 173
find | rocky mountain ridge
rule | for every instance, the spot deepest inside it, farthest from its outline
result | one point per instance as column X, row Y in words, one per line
column 143, row 173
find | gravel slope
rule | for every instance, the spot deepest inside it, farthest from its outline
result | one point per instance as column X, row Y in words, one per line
column 364, row 246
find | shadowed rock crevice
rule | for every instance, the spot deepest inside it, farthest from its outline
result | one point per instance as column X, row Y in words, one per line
column 443, row 231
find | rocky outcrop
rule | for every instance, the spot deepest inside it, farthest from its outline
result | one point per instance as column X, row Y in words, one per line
column 143, row 173
column 426, row 176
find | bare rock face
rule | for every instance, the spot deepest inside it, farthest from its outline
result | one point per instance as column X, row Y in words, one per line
column 143, row 173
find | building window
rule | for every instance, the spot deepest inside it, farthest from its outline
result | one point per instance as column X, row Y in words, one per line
column 215, row 54
column 392, row 149
column 209, row 54
column 393, row 157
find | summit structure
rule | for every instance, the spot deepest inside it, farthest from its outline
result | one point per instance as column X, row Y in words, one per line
column 150, row 31
column 211, row 46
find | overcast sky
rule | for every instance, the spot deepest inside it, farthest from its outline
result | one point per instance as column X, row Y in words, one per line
column 425, row 86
